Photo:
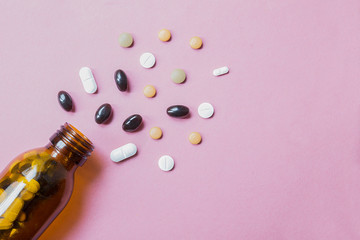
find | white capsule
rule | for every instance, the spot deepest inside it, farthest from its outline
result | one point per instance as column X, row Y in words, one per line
column 123, row 152
column 147, row 60
column 205, row 110
column 220, row 71
column 88, row 80
column 166, row 163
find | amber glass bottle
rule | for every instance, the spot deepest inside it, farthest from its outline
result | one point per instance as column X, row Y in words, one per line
column 37, row 184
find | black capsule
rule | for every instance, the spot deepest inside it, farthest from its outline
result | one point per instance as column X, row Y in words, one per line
column 103, row 113
column 178, row 111
column 132, row 123
column 121, row 80
column 65, row 100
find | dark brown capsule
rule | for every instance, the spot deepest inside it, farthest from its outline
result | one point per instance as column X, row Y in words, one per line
column 121, row 80
column 65, row 100
column 103, row 113
column 132, row 123
column 178, row 111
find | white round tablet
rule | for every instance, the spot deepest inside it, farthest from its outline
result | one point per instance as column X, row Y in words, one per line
column 147, row 60
column 205, row 110
column 166, row 163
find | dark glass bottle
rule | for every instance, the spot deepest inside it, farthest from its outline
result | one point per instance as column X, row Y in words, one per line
column 36, row 185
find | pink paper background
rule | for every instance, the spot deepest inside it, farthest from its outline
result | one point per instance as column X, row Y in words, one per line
column 280, row 159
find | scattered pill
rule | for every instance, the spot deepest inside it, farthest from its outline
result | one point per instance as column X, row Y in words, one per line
column 205, row 110
column 195, row 42
column 121, row 80
column 195, row 138
column 103, row 113
column 5, row 224
column 88, row 80
column 123, row 152
column 147, row 60
column 132, row 123
column 220, row 71
column 178, row 76
column 166, row 163
column 164, row 35
column 13, row 211
column 178, row 111
column 149, row 91
column 65, row 100
column 125, row 40
column 155, row 133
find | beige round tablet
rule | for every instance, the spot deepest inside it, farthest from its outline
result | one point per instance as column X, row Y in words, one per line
column 195, row 138
column 178, row 76
column 149, row 91
column 125, row 40
column 164, row 35
column 195, row 42
column 155, row 133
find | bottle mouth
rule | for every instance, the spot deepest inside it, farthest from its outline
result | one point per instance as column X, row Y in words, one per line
column 69, row 139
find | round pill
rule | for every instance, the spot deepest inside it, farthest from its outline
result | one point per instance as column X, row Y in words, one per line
column 195, row 42
column 149, row 91
column 164, row 35
column 166, row 163
column 125, row 40
column 195, row 138
column 147, row 60
column 205, row 110
column 178, row 76
column 155, row 133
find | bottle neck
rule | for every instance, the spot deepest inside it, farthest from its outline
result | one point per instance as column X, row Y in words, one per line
column 70, row 147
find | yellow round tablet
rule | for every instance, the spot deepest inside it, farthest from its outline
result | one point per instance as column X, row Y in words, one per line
column 195, row 42
column 164, row 35
column 149, row 91
column 178, row 76
column 126, row 40
column 155, row 133
column 195, row 138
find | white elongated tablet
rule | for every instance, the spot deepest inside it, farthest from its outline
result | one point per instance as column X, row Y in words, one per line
column 205, row 110
column 147, row 60
column 123, row 152
column 88, row 80
column 166, row 163
column 221, row 71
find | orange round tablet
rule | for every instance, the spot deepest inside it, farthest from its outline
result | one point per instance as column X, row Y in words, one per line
column 195, row 42
column 149, row 91
column 195, row 138
column 164, row 35
column 155, row 133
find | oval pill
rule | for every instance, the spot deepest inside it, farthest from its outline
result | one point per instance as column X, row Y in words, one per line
column 166, row 163
column 13, row 211
column 147, row 60
column 125, row 40
column 220, row 71
column 149, row 91
column 195, row 138
column 103, row 113
column 123, row 152
column 5, row 224
column 65, row 100
column 178, row 111
column 178, row 76
column 195, row 42
column 121, row 80
column 33, row 186
column 21, row 217
column 205, row 110
column 88, row 80
column 132, row 123
column 164, row 35
column 155, row 133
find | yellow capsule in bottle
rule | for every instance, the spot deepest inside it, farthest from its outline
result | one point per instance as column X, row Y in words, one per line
column 5, row 224
column 26, row 195
column 21, row 217
column 33, row 186
column 13, row 211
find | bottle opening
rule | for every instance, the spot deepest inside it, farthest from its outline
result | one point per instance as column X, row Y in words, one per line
column 69, row 141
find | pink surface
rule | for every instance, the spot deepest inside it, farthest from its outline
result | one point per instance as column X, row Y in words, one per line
column 280, row 159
